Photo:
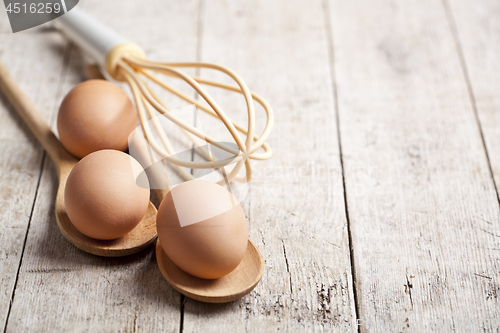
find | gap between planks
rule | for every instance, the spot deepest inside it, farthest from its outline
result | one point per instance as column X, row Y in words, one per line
column 199, row 47
column 24, row 242
column 470, row 90
column 331, row 55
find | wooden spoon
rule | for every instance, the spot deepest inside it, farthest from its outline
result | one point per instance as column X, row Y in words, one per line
column 136, row 240
column 228, row 288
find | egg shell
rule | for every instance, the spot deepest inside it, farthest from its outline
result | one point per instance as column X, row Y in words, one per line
column 95, row 115
column 202, row 229
column 101, row 196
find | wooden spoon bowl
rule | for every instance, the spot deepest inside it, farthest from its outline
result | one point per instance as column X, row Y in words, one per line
column 136, row 240
column 228, row 288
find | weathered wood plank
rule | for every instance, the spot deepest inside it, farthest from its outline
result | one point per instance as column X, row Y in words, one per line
column 295, row 208
column 61, row 288
column 21, row 161
column 478, row 35
column 423, row 209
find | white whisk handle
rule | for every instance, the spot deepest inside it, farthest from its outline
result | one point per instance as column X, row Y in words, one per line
column 92, row 36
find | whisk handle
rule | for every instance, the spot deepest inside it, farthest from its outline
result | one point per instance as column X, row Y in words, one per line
column 96, row 39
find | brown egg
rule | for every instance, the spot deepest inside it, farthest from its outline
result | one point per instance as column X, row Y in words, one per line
column 202, row 229
column 101, row 196
column 95, row 115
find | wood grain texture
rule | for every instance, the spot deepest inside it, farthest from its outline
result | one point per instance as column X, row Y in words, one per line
column 21, row 161
column 295, row 207
column 60, row 287
column 423, row 209
column 477, row 25
column 32, row 117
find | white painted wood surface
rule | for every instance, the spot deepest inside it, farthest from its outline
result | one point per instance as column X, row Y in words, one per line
column 405, row 78
column 425, row 220
column 477, row 25
column 21, row 155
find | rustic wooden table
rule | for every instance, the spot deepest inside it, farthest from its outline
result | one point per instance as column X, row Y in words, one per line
column 378, row 212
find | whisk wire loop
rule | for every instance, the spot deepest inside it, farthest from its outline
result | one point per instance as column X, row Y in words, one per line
column 131, row 67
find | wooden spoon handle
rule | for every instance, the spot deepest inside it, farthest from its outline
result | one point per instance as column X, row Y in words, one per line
column 30, row 115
